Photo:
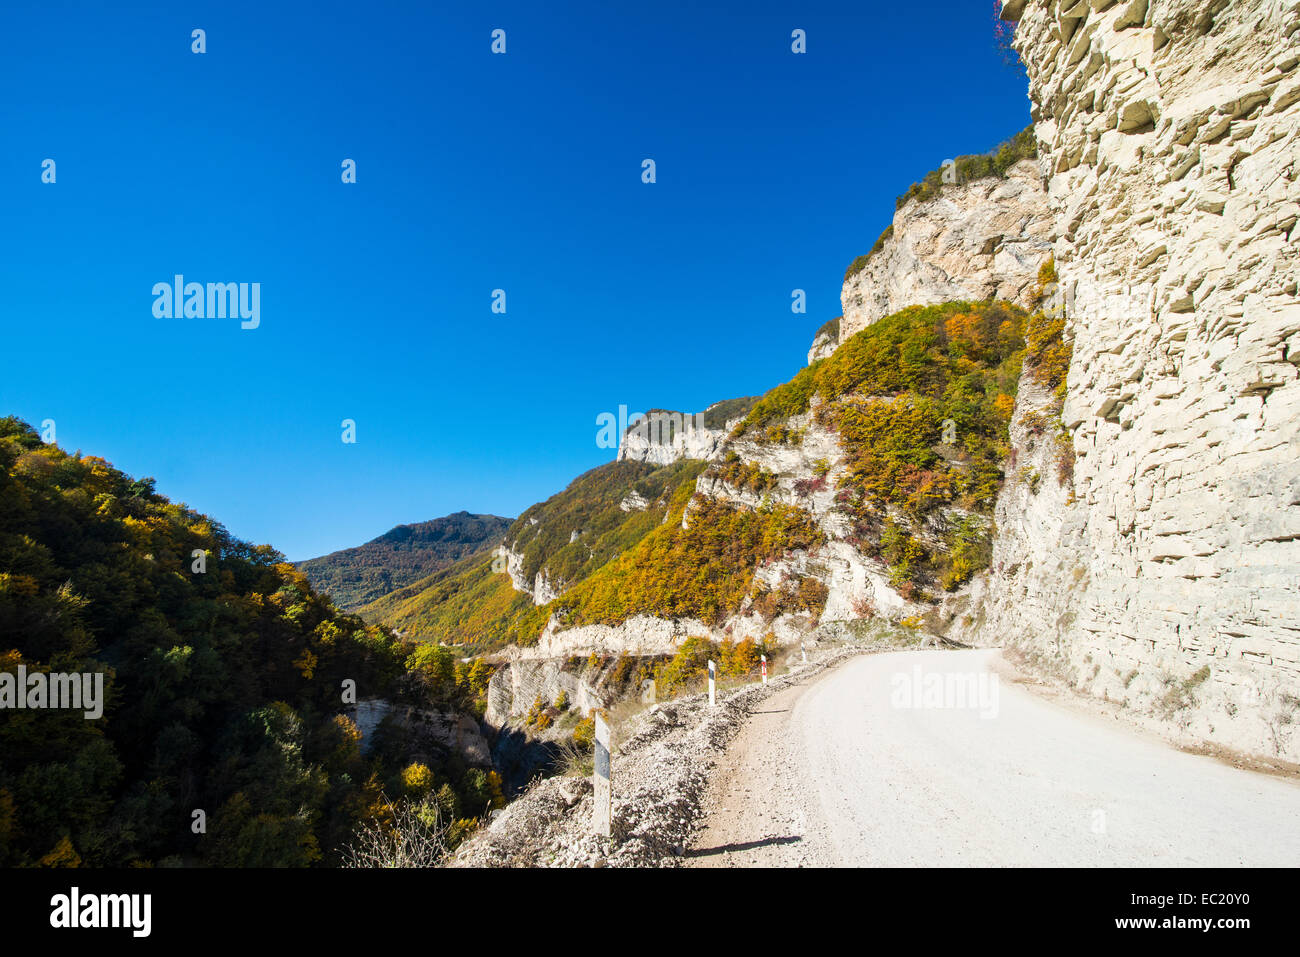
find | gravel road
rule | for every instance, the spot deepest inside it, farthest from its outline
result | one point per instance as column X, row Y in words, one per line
column 844, row 769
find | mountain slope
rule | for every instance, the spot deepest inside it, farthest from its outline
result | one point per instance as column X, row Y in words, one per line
column 356, row 576
column 222, row 675
column 484, row 603
column 839, row 493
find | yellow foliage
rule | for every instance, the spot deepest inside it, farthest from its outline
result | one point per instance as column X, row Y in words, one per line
column 347, row 728
column 703, row 571
column 584, row 733
column 498, row 794
column 417, row 780
column 63, row 855
column 306, row 663
column 19, row 584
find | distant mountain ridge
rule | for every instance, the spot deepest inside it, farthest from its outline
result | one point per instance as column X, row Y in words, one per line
column 402, row 555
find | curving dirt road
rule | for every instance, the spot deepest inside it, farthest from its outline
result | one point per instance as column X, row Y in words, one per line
column 914, row 759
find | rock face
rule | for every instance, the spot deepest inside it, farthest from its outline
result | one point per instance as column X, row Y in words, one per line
column 639, row 635
column 516, row 685
column 979, row 240
column 1168, row 575
column 663, row 440
column 445, row 731
column 825, row 342
column 539, row 588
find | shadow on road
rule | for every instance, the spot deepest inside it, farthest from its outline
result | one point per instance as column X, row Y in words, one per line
column 747, row 846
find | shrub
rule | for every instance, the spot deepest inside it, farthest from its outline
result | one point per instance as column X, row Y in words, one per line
column 860, row 263
column 1047, row 352
column 622, row 672
column 687, row 666
column 807, row 486
column 417, row 780
column 970, row 549
column 830, row 329
column 584, row 733
column 1065, row 457
column 975, row 166
column 703, row 571
column 745, row 475
column 899, row 549
column 1046, row 278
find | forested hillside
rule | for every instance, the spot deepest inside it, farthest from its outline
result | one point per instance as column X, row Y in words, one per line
column 601, row 515
column 353, row 577
column 919, row 404
column 224, row 675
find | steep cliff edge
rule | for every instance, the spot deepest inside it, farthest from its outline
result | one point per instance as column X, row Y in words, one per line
column 983, row 239
column 662, row 437
column 1167, row 575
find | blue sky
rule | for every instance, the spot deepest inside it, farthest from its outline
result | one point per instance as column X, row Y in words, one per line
column 474, row 172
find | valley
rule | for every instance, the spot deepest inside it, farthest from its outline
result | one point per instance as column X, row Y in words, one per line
column 1048, row 449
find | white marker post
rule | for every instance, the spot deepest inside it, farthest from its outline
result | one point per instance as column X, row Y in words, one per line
column 803, row 651
column 764, row 657
column 601, row 784
column 713, row 685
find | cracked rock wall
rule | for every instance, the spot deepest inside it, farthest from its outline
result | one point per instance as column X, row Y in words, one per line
column 1170, row 131
column 979, row 240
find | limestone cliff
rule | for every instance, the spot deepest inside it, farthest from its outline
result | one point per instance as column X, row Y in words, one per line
column 1167, row 575
column 825, row 341
column 979, row 240
column 664, row 437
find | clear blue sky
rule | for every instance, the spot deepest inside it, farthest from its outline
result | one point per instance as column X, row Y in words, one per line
column 475, row 172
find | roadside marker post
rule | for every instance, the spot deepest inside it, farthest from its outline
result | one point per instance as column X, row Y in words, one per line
column 602, row 787
column 803, row 651
column 713, row 685
column 764, row 657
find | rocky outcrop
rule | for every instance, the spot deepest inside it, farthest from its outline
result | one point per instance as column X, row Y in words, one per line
column 1166, row 576
column 825, row 341
column 667, row 437
column 450, row 732
column 1039, row 567
column 516, row 685
column 979, row 240
column 634, row 501
column 639, row 635
column 805, row 474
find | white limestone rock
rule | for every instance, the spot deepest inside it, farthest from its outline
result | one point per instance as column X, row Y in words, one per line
column 979, row 240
